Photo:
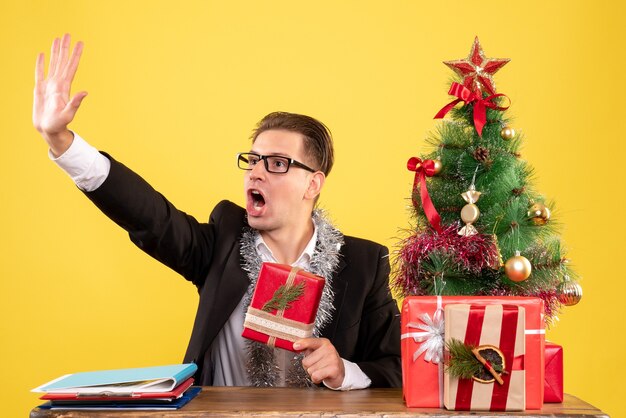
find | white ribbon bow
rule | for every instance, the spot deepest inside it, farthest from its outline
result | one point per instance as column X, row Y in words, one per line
column 430, row 339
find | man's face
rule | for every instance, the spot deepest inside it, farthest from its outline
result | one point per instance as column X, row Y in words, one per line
column 275, row 201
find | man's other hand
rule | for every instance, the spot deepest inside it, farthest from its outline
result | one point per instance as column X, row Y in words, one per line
column 321, row 361
column 53, row 109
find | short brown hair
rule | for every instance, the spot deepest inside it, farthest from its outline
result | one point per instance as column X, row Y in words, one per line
column 318, row 141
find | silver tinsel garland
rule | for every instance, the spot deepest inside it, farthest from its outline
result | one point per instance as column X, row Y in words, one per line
column 261, row 365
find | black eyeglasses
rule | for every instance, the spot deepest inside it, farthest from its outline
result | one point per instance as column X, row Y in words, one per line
column 273, row 163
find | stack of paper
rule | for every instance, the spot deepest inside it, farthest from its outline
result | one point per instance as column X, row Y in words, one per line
column 161, row 387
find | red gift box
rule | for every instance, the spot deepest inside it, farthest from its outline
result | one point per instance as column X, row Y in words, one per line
column 553, row 389
column 283, row 306
column 487, row 327
column 422, row 347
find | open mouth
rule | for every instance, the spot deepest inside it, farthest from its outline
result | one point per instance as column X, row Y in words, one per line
column 258, row 201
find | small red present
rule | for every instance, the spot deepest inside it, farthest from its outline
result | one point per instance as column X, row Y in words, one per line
column 284, row 305
column 422, row 347
column 492, row 338
column 553, row 389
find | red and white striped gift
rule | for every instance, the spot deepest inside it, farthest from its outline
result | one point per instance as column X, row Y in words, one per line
column 501, row 326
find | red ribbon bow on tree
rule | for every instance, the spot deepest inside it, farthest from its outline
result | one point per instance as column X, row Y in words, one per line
column 464, row 94
column 423, row 169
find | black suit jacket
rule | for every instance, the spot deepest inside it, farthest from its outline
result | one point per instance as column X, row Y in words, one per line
column 365, row 328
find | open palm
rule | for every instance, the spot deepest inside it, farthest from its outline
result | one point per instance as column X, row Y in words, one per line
column 53, row 109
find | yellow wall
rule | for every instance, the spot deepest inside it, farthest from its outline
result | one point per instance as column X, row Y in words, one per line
column 174, row 90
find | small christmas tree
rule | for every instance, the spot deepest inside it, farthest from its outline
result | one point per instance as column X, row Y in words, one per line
column 480, row 227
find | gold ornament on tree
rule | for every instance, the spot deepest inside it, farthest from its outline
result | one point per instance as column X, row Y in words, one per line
column 470, row 212
column 539, row 213
column 507, row 133
column 500, row 262
column 438, row 166
column 517, row 268
column 569, row 292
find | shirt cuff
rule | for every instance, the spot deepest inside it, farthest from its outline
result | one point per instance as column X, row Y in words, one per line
column 354, row 377
column 84, row 164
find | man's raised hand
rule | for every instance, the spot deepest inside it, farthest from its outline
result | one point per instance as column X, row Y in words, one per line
column 53, row 109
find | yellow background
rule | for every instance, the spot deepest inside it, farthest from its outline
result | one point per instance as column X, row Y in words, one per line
column 174, row 91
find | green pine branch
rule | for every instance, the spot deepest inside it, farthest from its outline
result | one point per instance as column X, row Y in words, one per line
column 462, row 363
column 283, row 297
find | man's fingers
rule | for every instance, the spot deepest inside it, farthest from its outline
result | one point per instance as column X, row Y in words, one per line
column 318, row 351
column 317, row 376
column 72, row 106
column 64, row 54
column 53, row 108
column 39, row 89
column 321, row 360
column 322, row 373
column 75, row 102
column 39, row 71
column 314, row 361
column 54, row 57
column 314, row 356
column 308, row 344
column 72, row 65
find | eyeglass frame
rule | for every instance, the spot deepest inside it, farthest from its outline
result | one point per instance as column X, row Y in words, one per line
column 290, row 162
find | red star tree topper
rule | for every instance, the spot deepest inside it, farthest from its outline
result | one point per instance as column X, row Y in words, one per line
column 477, row 70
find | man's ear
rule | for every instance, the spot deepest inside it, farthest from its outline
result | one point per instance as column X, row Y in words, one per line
column 316, row 183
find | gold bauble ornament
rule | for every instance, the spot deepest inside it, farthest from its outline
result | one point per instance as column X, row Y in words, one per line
column 438, row 166
column 569, row 292
column 507, row 133
column 517, row 268
column 539, row 213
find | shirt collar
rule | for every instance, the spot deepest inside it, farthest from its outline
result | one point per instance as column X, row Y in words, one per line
column 303, row 261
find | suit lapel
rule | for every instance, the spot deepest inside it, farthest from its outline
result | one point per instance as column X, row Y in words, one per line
column 339, row 285
column 235, row 282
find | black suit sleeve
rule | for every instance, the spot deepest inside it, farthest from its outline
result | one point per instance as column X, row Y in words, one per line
column 379, row 332
column 154, row 224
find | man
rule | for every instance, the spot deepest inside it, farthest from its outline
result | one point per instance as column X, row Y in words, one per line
column 356, row 336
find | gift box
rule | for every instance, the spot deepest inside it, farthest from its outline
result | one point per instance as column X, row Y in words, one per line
column 422, row 347
column 553, row 388
column 283, row 306
column 493, row 339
